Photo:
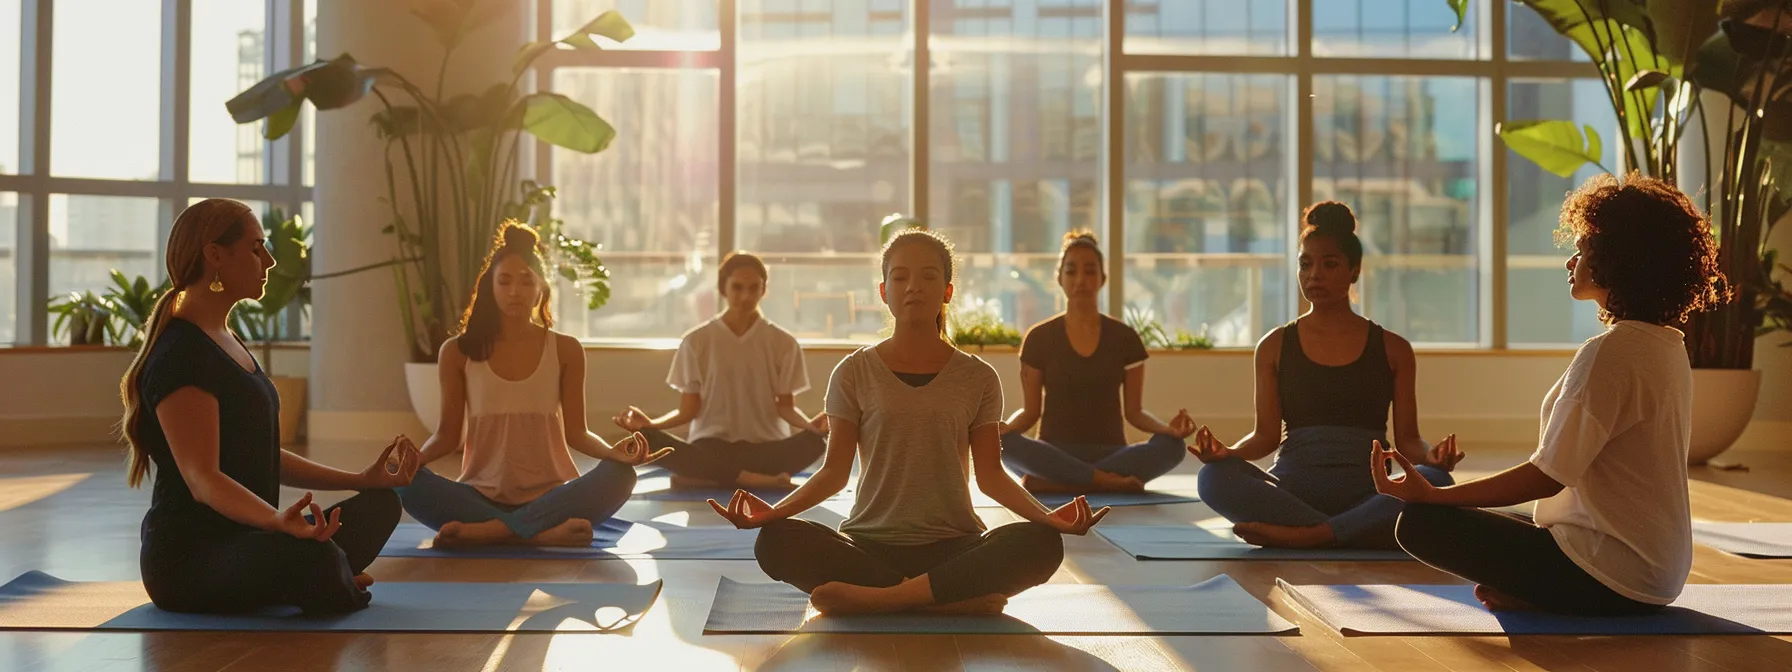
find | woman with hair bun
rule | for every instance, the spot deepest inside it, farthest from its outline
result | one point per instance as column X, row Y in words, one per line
column 1074, row 369
column 1329, row 377
column 518, row 388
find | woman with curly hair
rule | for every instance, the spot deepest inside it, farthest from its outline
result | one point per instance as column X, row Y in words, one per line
column 1613, row 530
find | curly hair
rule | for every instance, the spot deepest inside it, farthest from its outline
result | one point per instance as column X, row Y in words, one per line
column 1649, row 247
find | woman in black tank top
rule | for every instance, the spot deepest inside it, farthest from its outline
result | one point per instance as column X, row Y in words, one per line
column 1331, row 385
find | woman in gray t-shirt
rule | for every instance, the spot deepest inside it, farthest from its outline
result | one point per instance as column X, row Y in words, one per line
column 919, row 415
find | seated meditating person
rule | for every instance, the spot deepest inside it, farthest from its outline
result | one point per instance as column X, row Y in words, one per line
column 738, row 376
column 1330, row 377
column 200, row 411
column 1073, row 369
column 518, row 388
column 921, row 417
column 1611, row 533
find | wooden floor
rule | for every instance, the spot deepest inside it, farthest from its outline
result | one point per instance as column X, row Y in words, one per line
column 66, row 511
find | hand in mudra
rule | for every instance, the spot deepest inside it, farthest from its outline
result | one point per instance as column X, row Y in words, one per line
column 1182, row 426
column 396, row 466
column 1445, row 454
column 745, row 510
column 1075, row 517
column 635, row 451
column 1207, row 448
column 633, row 419
column 1411, row 487
column 293, row 521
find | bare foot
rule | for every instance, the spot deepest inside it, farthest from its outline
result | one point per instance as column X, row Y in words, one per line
column 1107, row 481
column 573, row 532
column 472, row 534
column 986, row 605
column 1284, row 536
column 753, row 481
column 1497, row 601
column 689, row 483
column 363, row 580
column 841, row 599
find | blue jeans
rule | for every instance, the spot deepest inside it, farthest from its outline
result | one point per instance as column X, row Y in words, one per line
column 595, row 496
column 1075, row 464
column 1321, row 475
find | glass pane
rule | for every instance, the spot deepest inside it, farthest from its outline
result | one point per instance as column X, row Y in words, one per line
column 660, row 25
column 1401, row 152
column 1539, row 310
column 823, row 120
column 1529, row 37
column 106, row 90
column 229, row 56
column 1391, row 28
column 91, row 235
column 9, row 274
column 1207, row 202
column 309, row 212
column 9, row 104
column 649, row 200
column 1257, row 27
column 1016, row 117
column 308, row 114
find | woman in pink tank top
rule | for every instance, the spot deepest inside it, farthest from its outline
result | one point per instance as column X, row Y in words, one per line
column 518, row 389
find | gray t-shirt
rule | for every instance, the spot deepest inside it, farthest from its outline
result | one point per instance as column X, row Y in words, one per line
column 914, row 446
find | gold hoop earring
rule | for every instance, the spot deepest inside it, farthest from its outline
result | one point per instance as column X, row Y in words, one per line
column 217, row 284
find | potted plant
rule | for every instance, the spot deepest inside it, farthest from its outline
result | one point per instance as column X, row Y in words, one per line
column 978, row 323
column 1658, row 61
column 451, row 168
column 288, row 291
column 84, row 318
column 132, row 301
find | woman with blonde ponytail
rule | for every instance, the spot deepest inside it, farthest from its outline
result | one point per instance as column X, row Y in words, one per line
column 201, row 414
column 517, row 387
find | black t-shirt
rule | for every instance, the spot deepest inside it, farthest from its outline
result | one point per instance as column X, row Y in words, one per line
column 1082, row 394
column 248, row 432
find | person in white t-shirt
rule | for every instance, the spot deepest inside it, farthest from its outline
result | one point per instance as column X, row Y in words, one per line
column 1613, row 529
column 738, row 375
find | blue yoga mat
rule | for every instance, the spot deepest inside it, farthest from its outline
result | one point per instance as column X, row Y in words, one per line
column 614, row 539
column 1702, row 609
column 1101, row 499
column 1218, row 606
column 1749, row 540
column 39, row 601
column 1188, row 542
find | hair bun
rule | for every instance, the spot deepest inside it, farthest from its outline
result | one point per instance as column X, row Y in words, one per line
column 1331, row 216
column 514, row 234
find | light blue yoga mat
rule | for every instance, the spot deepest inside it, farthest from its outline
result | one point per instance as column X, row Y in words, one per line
column 614, row 539
column 39, row 601
column 1218, row 606
column 1749, row 540
column 1702, row 609
column 1189, row 542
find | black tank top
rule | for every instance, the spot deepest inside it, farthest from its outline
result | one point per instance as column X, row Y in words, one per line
column 1357, row 394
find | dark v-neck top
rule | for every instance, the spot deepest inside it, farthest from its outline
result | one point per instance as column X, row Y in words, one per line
column 248, row 434
column 1082, row 394
column 1357, row 394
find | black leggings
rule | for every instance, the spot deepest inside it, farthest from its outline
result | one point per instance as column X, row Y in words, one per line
column 1510, row 555
column 1005, row 560
column 252, row 570
column 721, row 461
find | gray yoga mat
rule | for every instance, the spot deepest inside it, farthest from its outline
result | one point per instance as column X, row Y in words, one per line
column 1702, row 609
column 1189, row 542
column 615, row 539
column 1217, row 606
column 39, row 601
column 1749, row 540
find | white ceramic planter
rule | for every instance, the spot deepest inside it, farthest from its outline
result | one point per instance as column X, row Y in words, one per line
column 1723, row 402
column 426, row 393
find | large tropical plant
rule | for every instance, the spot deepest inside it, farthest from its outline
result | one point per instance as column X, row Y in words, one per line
column 451, row 172
column 1655, row 60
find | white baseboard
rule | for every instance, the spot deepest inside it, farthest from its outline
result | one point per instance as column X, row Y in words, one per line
column 363, row 426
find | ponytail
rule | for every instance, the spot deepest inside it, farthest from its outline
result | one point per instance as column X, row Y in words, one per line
column 127, row 388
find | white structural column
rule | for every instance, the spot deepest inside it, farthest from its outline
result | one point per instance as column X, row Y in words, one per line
column 358, row 348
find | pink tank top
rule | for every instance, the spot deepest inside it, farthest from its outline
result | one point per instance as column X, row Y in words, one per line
column 516, row 443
